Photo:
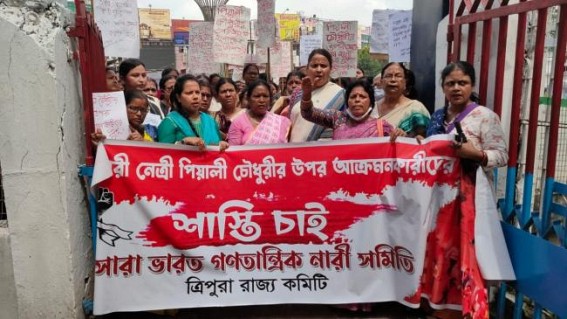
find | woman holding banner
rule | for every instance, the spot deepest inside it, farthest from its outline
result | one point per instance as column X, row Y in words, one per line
column 257, row 125
column 186, row 124
column 325, row 95
column 456, row 247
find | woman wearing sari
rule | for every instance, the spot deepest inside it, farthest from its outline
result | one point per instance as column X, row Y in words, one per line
column 186, row 124
column 452, row 277
column 227, row 95
column 399, row 110
column 355, row 121
column 325, row 96
column 257, row 125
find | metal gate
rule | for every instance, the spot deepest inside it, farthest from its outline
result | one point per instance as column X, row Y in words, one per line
column 92, row 62
column 533, row 206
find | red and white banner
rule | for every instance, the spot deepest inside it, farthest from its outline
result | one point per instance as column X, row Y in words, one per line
column 328, row 222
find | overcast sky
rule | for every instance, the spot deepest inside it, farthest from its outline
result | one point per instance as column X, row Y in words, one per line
column 359, row 10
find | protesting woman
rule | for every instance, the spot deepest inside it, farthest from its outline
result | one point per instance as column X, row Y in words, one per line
column 355, row 121
column 257, row 125
column 292, row 81
column 133, row 76
column 186, row 124
column 325, row 95
column 137, row 107
column 399, row 110
column 227, row 95
column 452, row 276
column 166, row 86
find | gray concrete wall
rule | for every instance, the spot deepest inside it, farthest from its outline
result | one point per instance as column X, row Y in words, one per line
column 41, row 139
column 8, row 300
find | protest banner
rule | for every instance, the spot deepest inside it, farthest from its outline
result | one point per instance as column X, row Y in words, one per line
column 118, row 24
column 399, row 41
column 155, row 24
column 280, row 60
column 289, row 26
column 230, row 34
column 266, row 23
column 201, row 49
column 294, row 223
column 379, row 31
column 340, row 38
column 308, row 43
column 109, row 109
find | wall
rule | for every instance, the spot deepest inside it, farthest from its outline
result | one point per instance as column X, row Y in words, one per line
column 41, row 140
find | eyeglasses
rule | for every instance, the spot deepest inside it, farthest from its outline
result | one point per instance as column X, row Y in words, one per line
column 134, row 110
column 394, row 76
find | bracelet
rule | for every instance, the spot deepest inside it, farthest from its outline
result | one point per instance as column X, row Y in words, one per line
column 306, row 101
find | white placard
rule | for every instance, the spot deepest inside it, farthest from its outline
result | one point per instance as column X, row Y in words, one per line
column 340, row 38
column 152, row 119
column 308, row 43
column 280, row 60
column 110, row 116
column 201, row 49
column 266, row 25
column 379, row 32
column 399, row 43
column 119, row 26
column 230, row 34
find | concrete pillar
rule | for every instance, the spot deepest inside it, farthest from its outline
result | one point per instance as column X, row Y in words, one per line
column 41, row 138
column 426, row 15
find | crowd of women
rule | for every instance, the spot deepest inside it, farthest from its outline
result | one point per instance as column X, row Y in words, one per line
column 211, row 110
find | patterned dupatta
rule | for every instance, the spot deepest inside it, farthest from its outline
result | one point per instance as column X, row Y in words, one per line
column 268, row 131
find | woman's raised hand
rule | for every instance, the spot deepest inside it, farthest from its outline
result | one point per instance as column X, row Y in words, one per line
column 307, row 87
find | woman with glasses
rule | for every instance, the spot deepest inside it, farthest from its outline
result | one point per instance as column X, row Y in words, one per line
column 137, row 107
column 404, row 113
column 186, row 124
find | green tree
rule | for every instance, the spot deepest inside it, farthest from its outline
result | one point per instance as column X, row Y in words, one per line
column 367, row 63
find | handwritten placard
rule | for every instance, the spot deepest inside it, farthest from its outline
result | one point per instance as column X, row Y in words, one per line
column 280, row 60
column 379, row 31
column 266, row 25
column 399, row 42
column 201, row 49
column 230, row 34
column 118, row 23
column 110, row 117
column 308, row 43
column 340, row 38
